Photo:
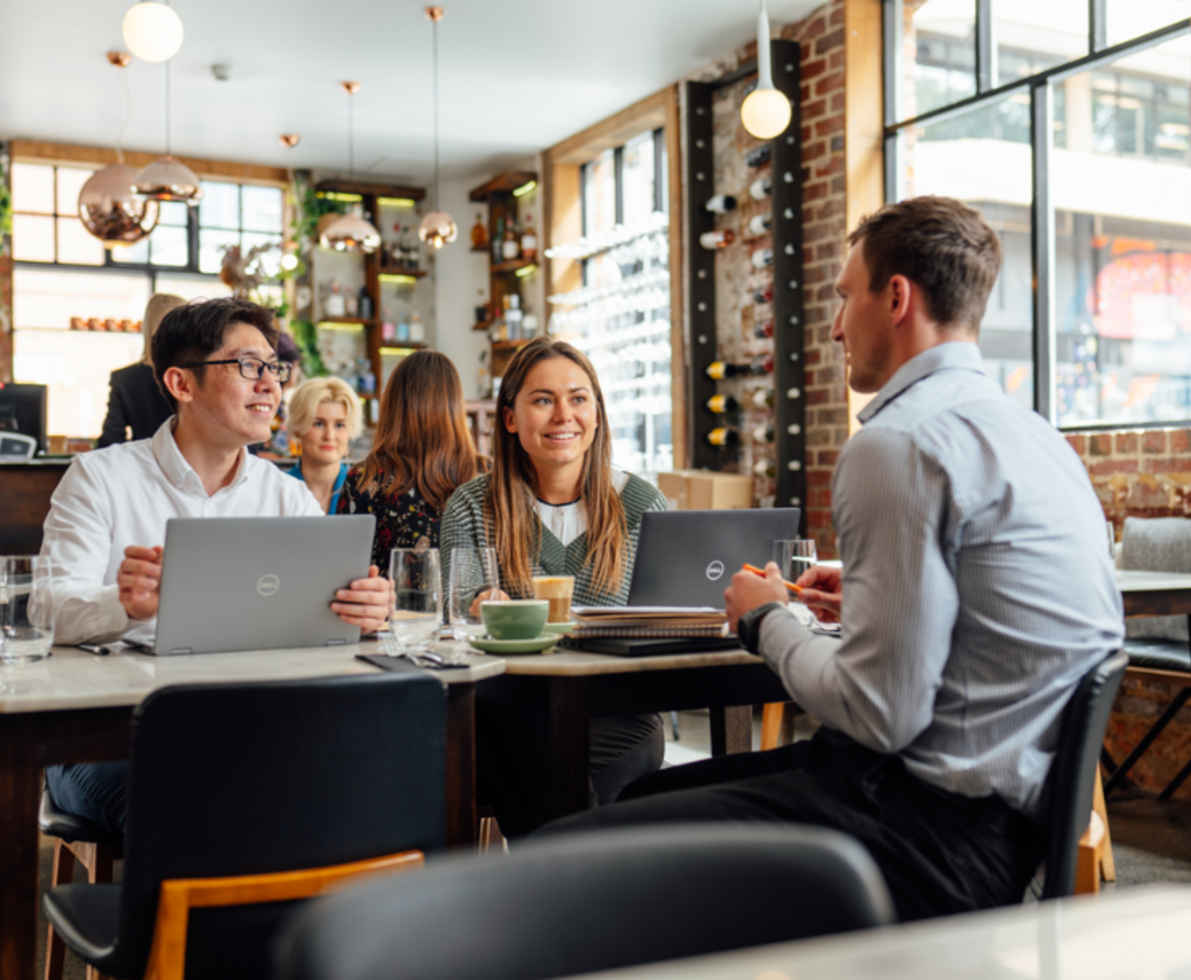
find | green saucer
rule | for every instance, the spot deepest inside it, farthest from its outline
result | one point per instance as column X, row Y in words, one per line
column 559, row 627
column 538, row 644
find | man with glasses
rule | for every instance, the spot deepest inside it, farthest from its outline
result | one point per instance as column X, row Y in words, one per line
column 216, row 364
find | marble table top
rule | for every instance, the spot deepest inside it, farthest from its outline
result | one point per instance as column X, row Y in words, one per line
column 572, row 663
column 1135, row 580
column 71, row 678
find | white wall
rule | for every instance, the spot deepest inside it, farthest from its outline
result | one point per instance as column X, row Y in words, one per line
column 461, row 284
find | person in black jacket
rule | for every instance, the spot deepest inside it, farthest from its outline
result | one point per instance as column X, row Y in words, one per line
column 136, row 406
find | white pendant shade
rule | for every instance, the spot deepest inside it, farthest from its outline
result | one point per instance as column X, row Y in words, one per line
column 438, row 229
column 109, row 210
column 152, row 31
column 766, row 112
column 351, row 233
column 167, row 179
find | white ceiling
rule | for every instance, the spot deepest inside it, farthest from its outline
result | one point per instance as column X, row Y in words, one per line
column 516, row 76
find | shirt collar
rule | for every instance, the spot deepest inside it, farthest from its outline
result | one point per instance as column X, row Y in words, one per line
column 176, row 467
column 959, row 355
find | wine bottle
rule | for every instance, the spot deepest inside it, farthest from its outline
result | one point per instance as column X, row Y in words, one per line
column 721, row 204
column 763, row 330
column 720, row 238
column 760, row 223
column 719, row 404
column 479, row 234
column 763, row 433
column 763, row 294
column 760, row 156
column 364, row 304
column 761, row 258
column 765, row 467
column 761, row 188
column 498, row 241
column 529, row 240
column 719, row 370
column 723, row 437
column 510, row 248
column 763, row 398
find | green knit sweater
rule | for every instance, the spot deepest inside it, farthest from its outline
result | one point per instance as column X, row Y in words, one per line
column 463, row 527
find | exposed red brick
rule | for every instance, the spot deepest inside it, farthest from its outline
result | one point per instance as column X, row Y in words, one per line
column 817, row 397
column 833, row 40
column 834, row 165
column 1169, row 464
column 810, row 110
column 807, row 135
column 813, row 69
column 837, row 102
column 829, row 209
column 828, row 250
column 1110, row 466
column 804, row 92
column 830, row 83
column 828, row 457
column 837, row 144
column 813, row 357
column 1079, row 444
column 1125, row 442
column 812, row 151
column 819, row 498
column 1152, row 442
column 832, row 124
column 818, row 478
column 837, row 185
column 1180, row 441
column 827, row 375
column 1101, row 445
column 824, row 293
column 814, row 191
column 817, row 27
column 831, row 416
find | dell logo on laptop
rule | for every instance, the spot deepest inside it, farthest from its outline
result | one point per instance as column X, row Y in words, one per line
column 715, row 570
column 268, row 585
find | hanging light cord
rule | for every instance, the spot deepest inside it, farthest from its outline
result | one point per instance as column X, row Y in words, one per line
column 351, row 137
column 437, row 200
column 124, row 121
column 167, row 108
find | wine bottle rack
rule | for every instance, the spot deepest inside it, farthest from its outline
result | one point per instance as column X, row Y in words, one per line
column 789, row 375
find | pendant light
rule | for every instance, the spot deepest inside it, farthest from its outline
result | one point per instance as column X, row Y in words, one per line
column 152, row 31
column 438, row 228
column 167, row 179
column 766, row 112
column 352, row 232
column 107, row 207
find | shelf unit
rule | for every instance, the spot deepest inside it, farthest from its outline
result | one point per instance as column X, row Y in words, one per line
column 503, row 277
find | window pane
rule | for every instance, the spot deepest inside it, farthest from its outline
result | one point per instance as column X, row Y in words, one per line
column 48, row 298
column 261, row 208
column 1131, row 18
column 211, row 246
column 168, row 246
column 942, row 35
column 638, row 178
column 137, row 254
column 599, row 194
column 984, row 159
column 1032, row 36
column 1123, row 247
column 173, row 213
column 192, row 287
column 76, row 245
column 32, row 237
column 70, row 182
column 270, row 260
column 220, row 205
column 33, row 187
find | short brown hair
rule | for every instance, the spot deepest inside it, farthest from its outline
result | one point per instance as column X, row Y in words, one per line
column 944, row 247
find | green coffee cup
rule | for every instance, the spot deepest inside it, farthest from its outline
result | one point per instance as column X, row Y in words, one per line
column 515, row 619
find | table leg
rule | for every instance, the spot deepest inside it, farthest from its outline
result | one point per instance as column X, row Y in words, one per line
column 20, row 789
column 461, row 765
column 731, row 729
column 562, row 750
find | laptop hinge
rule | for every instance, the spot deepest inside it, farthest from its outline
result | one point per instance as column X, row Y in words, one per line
column 181, row 649
column 338, row 642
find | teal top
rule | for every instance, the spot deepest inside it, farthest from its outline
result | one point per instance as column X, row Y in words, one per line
column 296, row 473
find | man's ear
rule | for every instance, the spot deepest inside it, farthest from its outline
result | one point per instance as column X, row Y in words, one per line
column 180, row 383
column 510, row 419
column 900, row 292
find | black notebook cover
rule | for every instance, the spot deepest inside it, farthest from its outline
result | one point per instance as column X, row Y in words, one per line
column 621, row 647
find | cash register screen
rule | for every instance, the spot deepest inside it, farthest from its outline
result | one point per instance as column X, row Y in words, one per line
column 23, row 410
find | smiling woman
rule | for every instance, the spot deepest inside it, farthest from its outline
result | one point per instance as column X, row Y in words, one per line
column 324, row 416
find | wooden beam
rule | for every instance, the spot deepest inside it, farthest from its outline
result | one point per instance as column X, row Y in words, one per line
column 363, row 187
column 616, row 130
column 678, row 352
column 504, row 183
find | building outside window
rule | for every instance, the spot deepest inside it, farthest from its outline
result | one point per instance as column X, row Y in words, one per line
column 1073, row 139
column 61, row 273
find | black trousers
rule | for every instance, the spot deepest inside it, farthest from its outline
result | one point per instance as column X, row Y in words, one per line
column 940, row 852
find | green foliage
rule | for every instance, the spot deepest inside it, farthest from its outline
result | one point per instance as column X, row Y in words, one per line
column 306, row 335
column 308, row 209
column 5, row 205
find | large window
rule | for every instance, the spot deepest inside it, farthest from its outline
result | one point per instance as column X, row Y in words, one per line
column 1068, row 126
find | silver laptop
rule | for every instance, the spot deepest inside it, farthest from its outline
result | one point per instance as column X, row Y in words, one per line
column 258, row 583
column 688, row 557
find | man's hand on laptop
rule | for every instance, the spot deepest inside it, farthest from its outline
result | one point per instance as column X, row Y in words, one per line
column 749, row 590
column 822, row 592
column 366, row 603
column 139, row 579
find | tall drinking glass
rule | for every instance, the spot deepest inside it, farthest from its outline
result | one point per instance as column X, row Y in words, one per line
column 474, row 577
column 26, row 608
column 417, row 590
column 794, row 557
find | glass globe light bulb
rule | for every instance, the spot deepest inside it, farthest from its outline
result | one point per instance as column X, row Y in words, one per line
column 109, row 210
column 765, row 113
column 438, row 229
column 152, row 31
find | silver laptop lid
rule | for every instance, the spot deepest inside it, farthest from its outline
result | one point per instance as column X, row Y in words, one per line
column 688, row 557
column 258, row 583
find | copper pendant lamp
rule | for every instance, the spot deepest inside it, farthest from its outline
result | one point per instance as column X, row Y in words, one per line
column 352, row 232
column 438, row 228
column 166, row 178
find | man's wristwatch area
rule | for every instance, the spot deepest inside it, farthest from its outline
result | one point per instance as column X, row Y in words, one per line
column 749, row 627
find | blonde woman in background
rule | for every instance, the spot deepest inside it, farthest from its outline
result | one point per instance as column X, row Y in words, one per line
column 136, row 406
column 324, row 416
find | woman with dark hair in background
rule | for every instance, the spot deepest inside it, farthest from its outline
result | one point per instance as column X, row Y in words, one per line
column 422, row 452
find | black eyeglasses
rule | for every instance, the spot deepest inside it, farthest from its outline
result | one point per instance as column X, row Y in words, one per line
column 253, row 368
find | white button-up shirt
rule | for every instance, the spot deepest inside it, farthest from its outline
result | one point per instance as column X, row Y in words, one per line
column 123, row 495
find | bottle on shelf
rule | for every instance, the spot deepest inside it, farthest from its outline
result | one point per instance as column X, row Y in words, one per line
column 388, row 329
column 763, row 398
column 719, row 370
column 364, row 304
column 763, row 433
column 334, row 305
column 529, row 240
column 367, row 378
column 479, row 234
column 763, row 330
column 723, row 437
column 409, row 244
column 417, row 331
column 760, row 156
column 762, row 258
column 498, row 241
column 760, row 223
column 721, row 204
column 761, row 188
column 513, row 316
column 351, row 303
column 763, row 294
column 765, row 468
column 510, row 248
column 720, row 238
column 402, row 328
column 396, row 252
column 720, row 404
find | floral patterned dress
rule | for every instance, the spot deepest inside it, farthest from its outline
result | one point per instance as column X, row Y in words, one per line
column 401, row 521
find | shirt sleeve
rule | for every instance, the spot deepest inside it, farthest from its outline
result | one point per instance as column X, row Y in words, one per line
column 900, row 601
column 78, row 541
column 462, row 522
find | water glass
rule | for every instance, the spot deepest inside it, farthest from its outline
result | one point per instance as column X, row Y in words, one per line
column 26, row 608
column 474, row 577
column 794, row 556
column 417, row 591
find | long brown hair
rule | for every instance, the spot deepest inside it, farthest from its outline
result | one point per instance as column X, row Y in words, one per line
column 510, row 502
column 422, row 438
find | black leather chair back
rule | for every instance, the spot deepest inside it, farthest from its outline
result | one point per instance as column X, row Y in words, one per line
column 234, row 779
column 580, row 903
column 1073, row 772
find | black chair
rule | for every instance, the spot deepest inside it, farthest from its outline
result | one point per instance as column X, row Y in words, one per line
column 1072, row 779
column 581, row 903
column 260, row 781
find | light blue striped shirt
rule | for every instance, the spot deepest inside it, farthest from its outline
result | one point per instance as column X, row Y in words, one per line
column 977, row 586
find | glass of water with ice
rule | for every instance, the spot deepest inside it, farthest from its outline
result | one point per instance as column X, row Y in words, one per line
column 417, row 592
column 794, row 557
column 26, row 608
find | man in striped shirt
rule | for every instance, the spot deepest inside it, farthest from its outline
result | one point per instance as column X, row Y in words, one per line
column 978, row 593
